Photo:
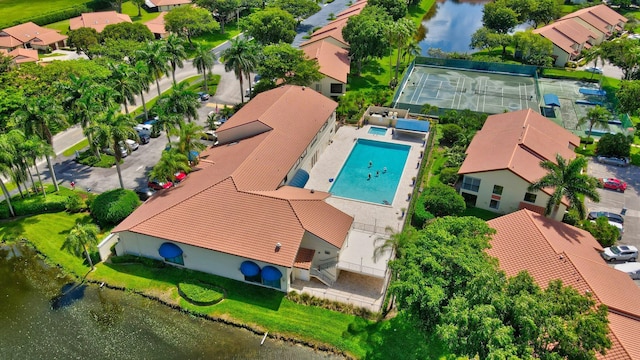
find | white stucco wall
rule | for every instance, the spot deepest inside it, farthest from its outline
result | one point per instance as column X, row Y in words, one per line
column 324, row 86
column 562, row 57
column 195, row 258
column 513, row 193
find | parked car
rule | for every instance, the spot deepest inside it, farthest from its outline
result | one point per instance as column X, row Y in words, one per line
column 210, row 135
column 144, row 138
column 152, row 121
column 613, row 184
column 144, row 193
column 132, row 144
column 159, row 185
column 620, row 252
column 616, row 161
column 609, row 215
column 124, row 152
column 631, row 268
column 203, row 96
column 180, row 175
column 594, row 69
column 248, row 92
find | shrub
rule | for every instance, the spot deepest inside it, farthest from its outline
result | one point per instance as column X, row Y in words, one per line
column 123, row 259
column 586, row 140
column 605, row 233
column 450, row 133
column 449, row 176
column 74, row 203
column 200, row 293
column 617, row 145
column 420, row 214
column 88, row 158
column 571, row 217
column 443, row 200
column 34, row 205
column 113, row 206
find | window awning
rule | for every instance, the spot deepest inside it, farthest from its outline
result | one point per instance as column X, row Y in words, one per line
column 551, row 100
column 169, row 250
column 299, row 179
column 269, row 273
column 412, row 125
column 249, row 268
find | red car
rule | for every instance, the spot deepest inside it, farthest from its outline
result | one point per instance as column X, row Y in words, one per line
column 159, row 185
column 613, row 184
column 180, row 175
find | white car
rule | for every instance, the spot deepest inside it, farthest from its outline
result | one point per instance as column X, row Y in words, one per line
column 593, row 69
column 132, row 144
column 631, row 268
column 620, row 252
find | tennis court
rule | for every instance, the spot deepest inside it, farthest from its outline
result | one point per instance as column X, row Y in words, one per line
column 481, row 91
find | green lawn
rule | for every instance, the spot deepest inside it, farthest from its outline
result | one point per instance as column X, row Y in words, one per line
column 22, row 11
column 77, row 147
column 130, row 9
column 61, row 26
column 211, row 40
column 480, row 213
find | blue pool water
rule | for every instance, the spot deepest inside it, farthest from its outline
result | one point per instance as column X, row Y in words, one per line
column 353, row 180
column 374, row 130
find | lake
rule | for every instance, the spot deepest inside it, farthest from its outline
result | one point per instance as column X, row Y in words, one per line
column 450, row 25
column 99, row 323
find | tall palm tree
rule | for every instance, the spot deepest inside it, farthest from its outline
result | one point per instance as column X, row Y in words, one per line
column 123, row 81
column 182, row 101
column 203, row 61
column 7, row 156
column 598, row 117
column 155, row 57
column 595, row 54
column 189, row 139
column 140, row 73
column 170, row 163
column 112, row 130
column 80, row 239
column 396, row 242
column 37, row 116
column 567, row 180
column 33, row 149
column 174, row 48
column 240, row 58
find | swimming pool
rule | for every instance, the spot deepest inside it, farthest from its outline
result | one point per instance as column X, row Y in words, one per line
column 363, row 176
column 374, row 130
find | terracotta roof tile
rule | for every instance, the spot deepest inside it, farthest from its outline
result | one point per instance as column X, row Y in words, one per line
column 567, row 33
column 331, row 30
column 98, row 20
column 598, row 16
column 323, row 220
column 156, row 25
column 333, row 60
column 304, row 258
column 27, row 32
column 22, row 55
column 169, row 2
column 626, row 332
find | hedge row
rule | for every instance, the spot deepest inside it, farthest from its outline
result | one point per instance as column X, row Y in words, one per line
column 113, row 206
column 37, row 205
column 62, row 14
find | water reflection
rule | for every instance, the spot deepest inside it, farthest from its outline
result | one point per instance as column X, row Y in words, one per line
column 94, row 322
column 450, row 25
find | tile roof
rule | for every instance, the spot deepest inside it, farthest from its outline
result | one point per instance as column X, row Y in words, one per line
column 304, row 258
column 518, row 141
column 156, row 26
column 566, row 33
column 549, row 250
column 234, row 202
column 334, row 28
column 333, row 60
column 22, row 55
column 169, row 2
column 29, row 32
column 98, row 20
column 598, row 16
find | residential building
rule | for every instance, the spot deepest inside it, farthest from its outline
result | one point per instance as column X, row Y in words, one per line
column 550, row 250
column 31, row 36
column 243, row 213
column 581, row 30
column 165, row 5
column 332, row 32
column 156, row 26
column 504, row 158
column 98, row 20
column 334, row 64
column 21, row 55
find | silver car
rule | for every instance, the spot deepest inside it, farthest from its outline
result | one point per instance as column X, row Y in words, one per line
column 616, row 161
column 620, row 252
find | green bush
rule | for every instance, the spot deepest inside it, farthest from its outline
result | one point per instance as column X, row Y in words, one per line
column 586, row 140
column 113, row 206
column 605, row 233
column 420, row 213
column 450, row 133
column 122, row 259
column 441, row 200
column 88, row 158
column 617, row 145
column 74, row 203
column 449, row 176
column 34, row 205
column 200, row 293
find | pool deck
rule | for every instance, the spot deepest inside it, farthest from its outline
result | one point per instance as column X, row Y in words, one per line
column 362, row 281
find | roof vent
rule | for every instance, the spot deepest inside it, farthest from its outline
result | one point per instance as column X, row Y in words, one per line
column 312, row 191
column 278, row 246
column 303, row 88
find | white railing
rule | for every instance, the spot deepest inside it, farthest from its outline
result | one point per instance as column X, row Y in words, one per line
column 370, row 228
column 373, row 305
column 326, row 277
column 362, row 269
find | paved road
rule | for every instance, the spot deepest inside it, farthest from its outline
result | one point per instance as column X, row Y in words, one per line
column 318, row 19
column 608, row 70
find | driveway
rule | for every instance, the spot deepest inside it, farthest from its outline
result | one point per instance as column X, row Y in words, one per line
column 614, row 201
column 608, row 70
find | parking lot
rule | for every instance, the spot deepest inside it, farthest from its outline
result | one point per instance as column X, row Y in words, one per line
column 614, row 201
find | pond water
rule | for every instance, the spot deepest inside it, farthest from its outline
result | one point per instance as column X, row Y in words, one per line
column 450, row 24
column 100, row 323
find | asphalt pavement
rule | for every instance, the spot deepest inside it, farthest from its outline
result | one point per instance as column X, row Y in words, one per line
column 321, row 18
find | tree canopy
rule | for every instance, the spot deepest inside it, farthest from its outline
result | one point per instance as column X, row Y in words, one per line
column 396, row 8
column 533, row 49
column 300, row 9
column 629, row 96
column 365, row 33
column 270, row 26
column 220, row 9
column 499, row 18
column 83, row 39
column 286, row 63
column 126, row 31
column 190, row 21
column 616, row 145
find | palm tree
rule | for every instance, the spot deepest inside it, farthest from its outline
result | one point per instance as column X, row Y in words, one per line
column 396, row 242
column 203, row 61
column 240, row 57
column 182, row 101
column 189, row 139
column 112, row 130
column 37, row 116
column 7, row 156
column 140, row 73
column 155, row 57
column 567, row 180
column 398, row 34
column 170, row 163
column 32, row 149
column 595, row 54
column 122, row 80
column 174, row 48
column 80, row 239
column 598, row 117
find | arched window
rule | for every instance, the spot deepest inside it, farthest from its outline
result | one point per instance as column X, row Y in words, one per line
column 171, row 253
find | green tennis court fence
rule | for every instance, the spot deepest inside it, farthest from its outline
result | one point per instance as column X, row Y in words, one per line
column 626, row 121
column 528, row 70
